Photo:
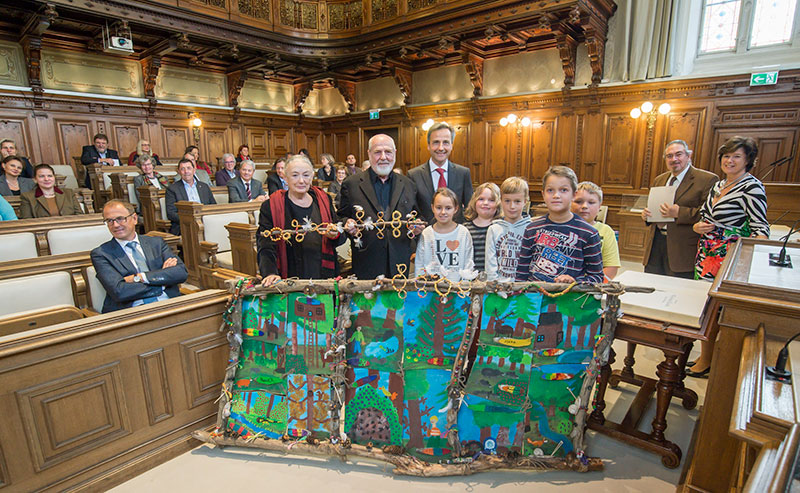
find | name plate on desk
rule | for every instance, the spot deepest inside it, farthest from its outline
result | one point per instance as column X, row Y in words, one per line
column 675, row 300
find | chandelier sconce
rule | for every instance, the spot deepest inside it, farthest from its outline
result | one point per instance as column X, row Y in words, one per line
column 196, row 122
column 517, row 123
column 648, row 110
column 428, row 124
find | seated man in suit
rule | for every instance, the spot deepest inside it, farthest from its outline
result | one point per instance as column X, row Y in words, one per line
column 439, row 172
column 9, row 148
column 98, row 153
column 199, row 173
column 276, row 179
column 245, row 188
column 228, row 171
column 187, row 188
column 134, row 269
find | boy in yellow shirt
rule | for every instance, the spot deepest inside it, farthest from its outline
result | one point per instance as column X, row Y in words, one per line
column 586, row 204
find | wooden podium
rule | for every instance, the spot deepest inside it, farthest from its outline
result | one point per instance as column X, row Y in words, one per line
column 754, row 298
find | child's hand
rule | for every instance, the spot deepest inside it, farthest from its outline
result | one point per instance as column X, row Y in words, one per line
column 564, row 278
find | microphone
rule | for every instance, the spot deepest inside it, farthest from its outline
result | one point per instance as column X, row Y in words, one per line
column 771, row 166
column 781, row 259
column 779, row 372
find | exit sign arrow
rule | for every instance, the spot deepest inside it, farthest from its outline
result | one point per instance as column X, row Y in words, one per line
column 764, row 78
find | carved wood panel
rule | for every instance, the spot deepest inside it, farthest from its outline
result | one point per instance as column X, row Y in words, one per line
column 204, row 359
column 256, row 139
column 69, row 416
column 16, row 130
column 125, row 137
column 215, row 146
column 157, row 395
column 773, row 144
column 313, row 143
column 565, row 144
column 73, row 135
column 176, row 139
column 280, row 142
column 499, row 160
column 619, row 151
column 340, row 146
column 589, row 147
column 4, row 479
column 687, row 126
column 540, row 152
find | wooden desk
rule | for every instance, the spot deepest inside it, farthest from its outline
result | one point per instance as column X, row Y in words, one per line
column 748, row 300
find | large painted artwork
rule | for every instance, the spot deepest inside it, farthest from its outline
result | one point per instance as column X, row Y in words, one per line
column 392, row 372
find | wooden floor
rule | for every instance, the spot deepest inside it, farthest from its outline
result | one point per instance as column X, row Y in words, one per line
column 626, row 468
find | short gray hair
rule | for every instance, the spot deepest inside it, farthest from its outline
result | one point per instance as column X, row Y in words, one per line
column 677, row 141
column 371, row 139
column 248, row 162
column 298, row 158
column 227, row 155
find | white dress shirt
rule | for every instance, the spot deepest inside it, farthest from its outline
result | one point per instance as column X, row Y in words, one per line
column 435, row 174
column 191, row 190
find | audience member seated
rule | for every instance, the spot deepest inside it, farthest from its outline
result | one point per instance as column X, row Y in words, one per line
column 98, row 153
column 228, row 171
column 187, row 188
column 335, row 188
column 326, row 172
column 199, row 164
column 133, row 269
column 243, row 154
column 277, row 177
column 351, row 164
column 245, row 188
column 201, row 174
column 46, row 199
column 9, row 148
column 149, row 177
column 142, row 147
column 11, row 181
column 586, row 204
column 6, row 211
column 315, row 256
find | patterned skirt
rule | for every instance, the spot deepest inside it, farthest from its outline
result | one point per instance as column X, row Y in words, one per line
column 713, row 248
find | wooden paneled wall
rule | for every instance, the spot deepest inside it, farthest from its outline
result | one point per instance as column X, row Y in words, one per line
column 90, row 403
column 589, row 130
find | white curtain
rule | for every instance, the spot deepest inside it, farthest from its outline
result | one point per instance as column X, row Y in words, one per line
column 641, row 39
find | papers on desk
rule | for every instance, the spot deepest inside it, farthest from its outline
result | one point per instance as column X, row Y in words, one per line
column 658, row 196
column 675, row 300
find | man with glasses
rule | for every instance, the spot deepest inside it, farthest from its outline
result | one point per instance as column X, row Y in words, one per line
column 134, row 270
column 670, row 248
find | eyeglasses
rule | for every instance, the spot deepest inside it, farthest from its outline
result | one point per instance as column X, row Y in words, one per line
column 118, row 220
column 677, row 155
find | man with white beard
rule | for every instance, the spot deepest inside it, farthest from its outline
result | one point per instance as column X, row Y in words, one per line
column 378, row 189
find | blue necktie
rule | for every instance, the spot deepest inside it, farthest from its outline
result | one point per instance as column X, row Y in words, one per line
column 141, row 265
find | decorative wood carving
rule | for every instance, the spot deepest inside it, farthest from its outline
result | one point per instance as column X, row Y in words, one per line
column 258, row 9
column 474, row 67
column 595, row 29
column 301, row 92
column 32, row 46
column 203, row 367
column 567, row 51
column 298, row 15
column 157, row 395
column 345, row 16
column 150, row 67
column 403, row 79
column 236, row 82
column 348, row 91
column 383, row 10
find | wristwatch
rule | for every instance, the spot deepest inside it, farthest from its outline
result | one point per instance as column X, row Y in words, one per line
column 137, row 278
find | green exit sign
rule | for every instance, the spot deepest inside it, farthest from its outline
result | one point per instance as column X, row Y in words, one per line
column 374, row 114
column 764, row 78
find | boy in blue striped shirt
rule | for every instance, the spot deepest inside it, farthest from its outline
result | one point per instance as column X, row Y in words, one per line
column 560, row 246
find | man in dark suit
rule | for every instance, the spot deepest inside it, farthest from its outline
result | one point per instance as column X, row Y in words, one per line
column 98, row 153
column 378, row 189
column 439, row 172
column 228, row 171
column 187, row 188
column 245, row 188
column 670, row 248
column 9, row 148
column 276, row 179
column 133, row 269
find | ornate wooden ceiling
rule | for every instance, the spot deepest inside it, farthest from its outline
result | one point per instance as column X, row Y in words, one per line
column 317, row 43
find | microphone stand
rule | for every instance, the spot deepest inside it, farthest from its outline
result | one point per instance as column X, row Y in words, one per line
column 781, row 259
column 773, row 165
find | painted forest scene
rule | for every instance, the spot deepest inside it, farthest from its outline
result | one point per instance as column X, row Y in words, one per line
column 375, row 337
column 433, row 329
column 520, row 395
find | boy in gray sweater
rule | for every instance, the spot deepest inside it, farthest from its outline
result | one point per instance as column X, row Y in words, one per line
column 504, row 238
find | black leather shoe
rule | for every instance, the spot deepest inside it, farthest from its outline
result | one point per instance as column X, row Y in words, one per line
column 698, row 374
column 690, row 364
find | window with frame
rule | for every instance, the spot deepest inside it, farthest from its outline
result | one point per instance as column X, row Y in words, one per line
column 761, row 22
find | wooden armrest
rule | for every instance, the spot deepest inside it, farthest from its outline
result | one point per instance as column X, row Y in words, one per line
column 163, row 224
column 89, row 312
column 208, row 253
column 170, row 239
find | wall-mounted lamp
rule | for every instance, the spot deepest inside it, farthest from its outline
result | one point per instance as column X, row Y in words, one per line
column 512, row 119
column 428, row 124
column 196, row 124
column 648, row 109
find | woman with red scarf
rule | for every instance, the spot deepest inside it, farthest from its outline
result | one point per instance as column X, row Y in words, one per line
column 315, row 256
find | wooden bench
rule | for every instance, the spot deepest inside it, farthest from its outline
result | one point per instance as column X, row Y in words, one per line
column 39, row 300
column 154, row 207
column 90, row 403
column 206, row 245
column 121, row 184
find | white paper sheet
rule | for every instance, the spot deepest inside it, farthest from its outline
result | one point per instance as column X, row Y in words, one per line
column 658, row 196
